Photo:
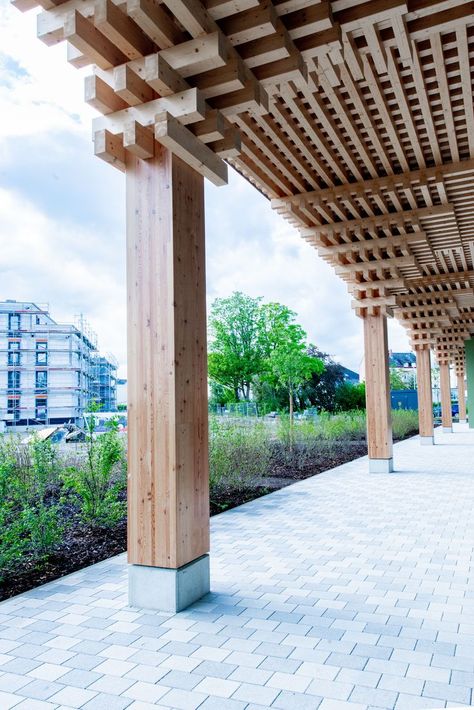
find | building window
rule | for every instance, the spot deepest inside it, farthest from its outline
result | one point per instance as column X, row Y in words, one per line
column 41, row 352
column 14, row 321
column 13, row 407
column 41, row 409
column 41, row 381
column 14, row 380
column 13, row 352
column 38, row 320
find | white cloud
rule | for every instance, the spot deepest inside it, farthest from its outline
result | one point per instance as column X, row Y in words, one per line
column 39, row 90
column 50, row 261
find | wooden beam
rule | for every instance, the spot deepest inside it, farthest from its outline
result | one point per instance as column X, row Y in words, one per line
column 109, row 147
column 189, row 106
column 130, row 87
column 155, row 22
column 101, row 96
column 181, row 142
column 380, row 220
column 409, row 178
column 98, row 48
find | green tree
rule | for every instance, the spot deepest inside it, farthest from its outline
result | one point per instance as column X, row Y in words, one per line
column 320, row 390
column 235, row 350
column 349, row 396
column 291, row 366
column 396, row 380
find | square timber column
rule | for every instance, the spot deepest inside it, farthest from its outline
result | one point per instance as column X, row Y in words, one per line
column 425, row 395
column 377, row 392
column 168, row 480
column 461, row 398
column 469, row 352
column 445, row 387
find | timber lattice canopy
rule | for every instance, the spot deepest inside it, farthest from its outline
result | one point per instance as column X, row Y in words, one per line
column 355, row 118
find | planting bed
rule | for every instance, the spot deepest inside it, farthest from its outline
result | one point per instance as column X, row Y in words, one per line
column 246, row 462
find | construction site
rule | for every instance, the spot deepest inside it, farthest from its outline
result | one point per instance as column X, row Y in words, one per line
column 50, row 372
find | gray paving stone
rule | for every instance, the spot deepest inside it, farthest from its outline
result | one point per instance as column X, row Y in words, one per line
column 445, row 691
column 287, row 700
column 103, row 701
column 374, row 696
column 213, row 703
column 183, row 699
column 40, row 689
column 366, row 605
column 181, row 680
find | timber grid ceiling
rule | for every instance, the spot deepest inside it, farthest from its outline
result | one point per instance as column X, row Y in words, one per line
column 354, row 118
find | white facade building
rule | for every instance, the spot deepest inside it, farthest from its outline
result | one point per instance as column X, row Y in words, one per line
column 45, row 367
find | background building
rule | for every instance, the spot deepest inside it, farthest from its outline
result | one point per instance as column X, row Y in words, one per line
column 405, row 366
column 104, row 382
column 48, row 370
column 350, row 376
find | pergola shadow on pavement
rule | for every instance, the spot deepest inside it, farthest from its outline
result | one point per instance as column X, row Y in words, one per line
column 346, row 591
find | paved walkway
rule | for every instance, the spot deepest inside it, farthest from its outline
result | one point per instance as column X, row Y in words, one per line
column 348, row 591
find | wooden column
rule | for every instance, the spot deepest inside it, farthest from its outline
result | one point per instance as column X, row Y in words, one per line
column 425, row 395
column 377, row 387
column 445, row 386
column 168, row 480
column 462, row 397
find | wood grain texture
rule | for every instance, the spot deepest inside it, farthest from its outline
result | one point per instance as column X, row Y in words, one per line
column 462, row 397
column 168, row 483
column 445, row 386
column 377, row 388
column 425, row 396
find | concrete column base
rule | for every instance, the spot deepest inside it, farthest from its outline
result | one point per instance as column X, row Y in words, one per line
column 380, row 465
column 426, row 440
column 170, row 590
column 447, row 430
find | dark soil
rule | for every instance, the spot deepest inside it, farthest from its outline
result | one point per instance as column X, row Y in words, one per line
column 82, row 546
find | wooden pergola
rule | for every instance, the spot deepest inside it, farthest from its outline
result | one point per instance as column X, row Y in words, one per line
column 356, row 120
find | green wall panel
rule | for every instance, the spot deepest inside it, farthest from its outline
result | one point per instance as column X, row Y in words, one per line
column 470, row 381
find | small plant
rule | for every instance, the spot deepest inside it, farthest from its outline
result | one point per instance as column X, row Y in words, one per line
column 98, row 482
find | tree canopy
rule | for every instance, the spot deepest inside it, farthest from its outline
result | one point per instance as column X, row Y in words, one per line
column 235, row 352
column 257, row 345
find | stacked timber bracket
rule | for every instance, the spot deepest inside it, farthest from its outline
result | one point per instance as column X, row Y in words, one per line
column 355, row 118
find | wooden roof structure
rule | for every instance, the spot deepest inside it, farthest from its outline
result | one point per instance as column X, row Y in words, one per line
column 354, row 118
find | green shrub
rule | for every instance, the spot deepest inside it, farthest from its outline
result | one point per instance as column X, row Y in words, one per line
column 29, row 512
column 98, row 481
column 349, row 397
column 404, row 422
column 238, row 452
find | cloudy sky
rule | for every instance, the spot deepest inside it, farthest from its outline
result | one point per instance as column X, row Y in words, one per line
column 62, row 218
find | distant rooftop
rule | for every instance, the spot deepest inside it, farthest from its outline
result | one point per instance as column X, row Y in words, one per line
column 402, row 359
column 350, row 374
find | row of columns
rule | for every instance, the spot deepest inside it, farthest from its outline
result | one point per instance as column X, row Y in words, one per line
column 379, row 427
column 168, row 487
